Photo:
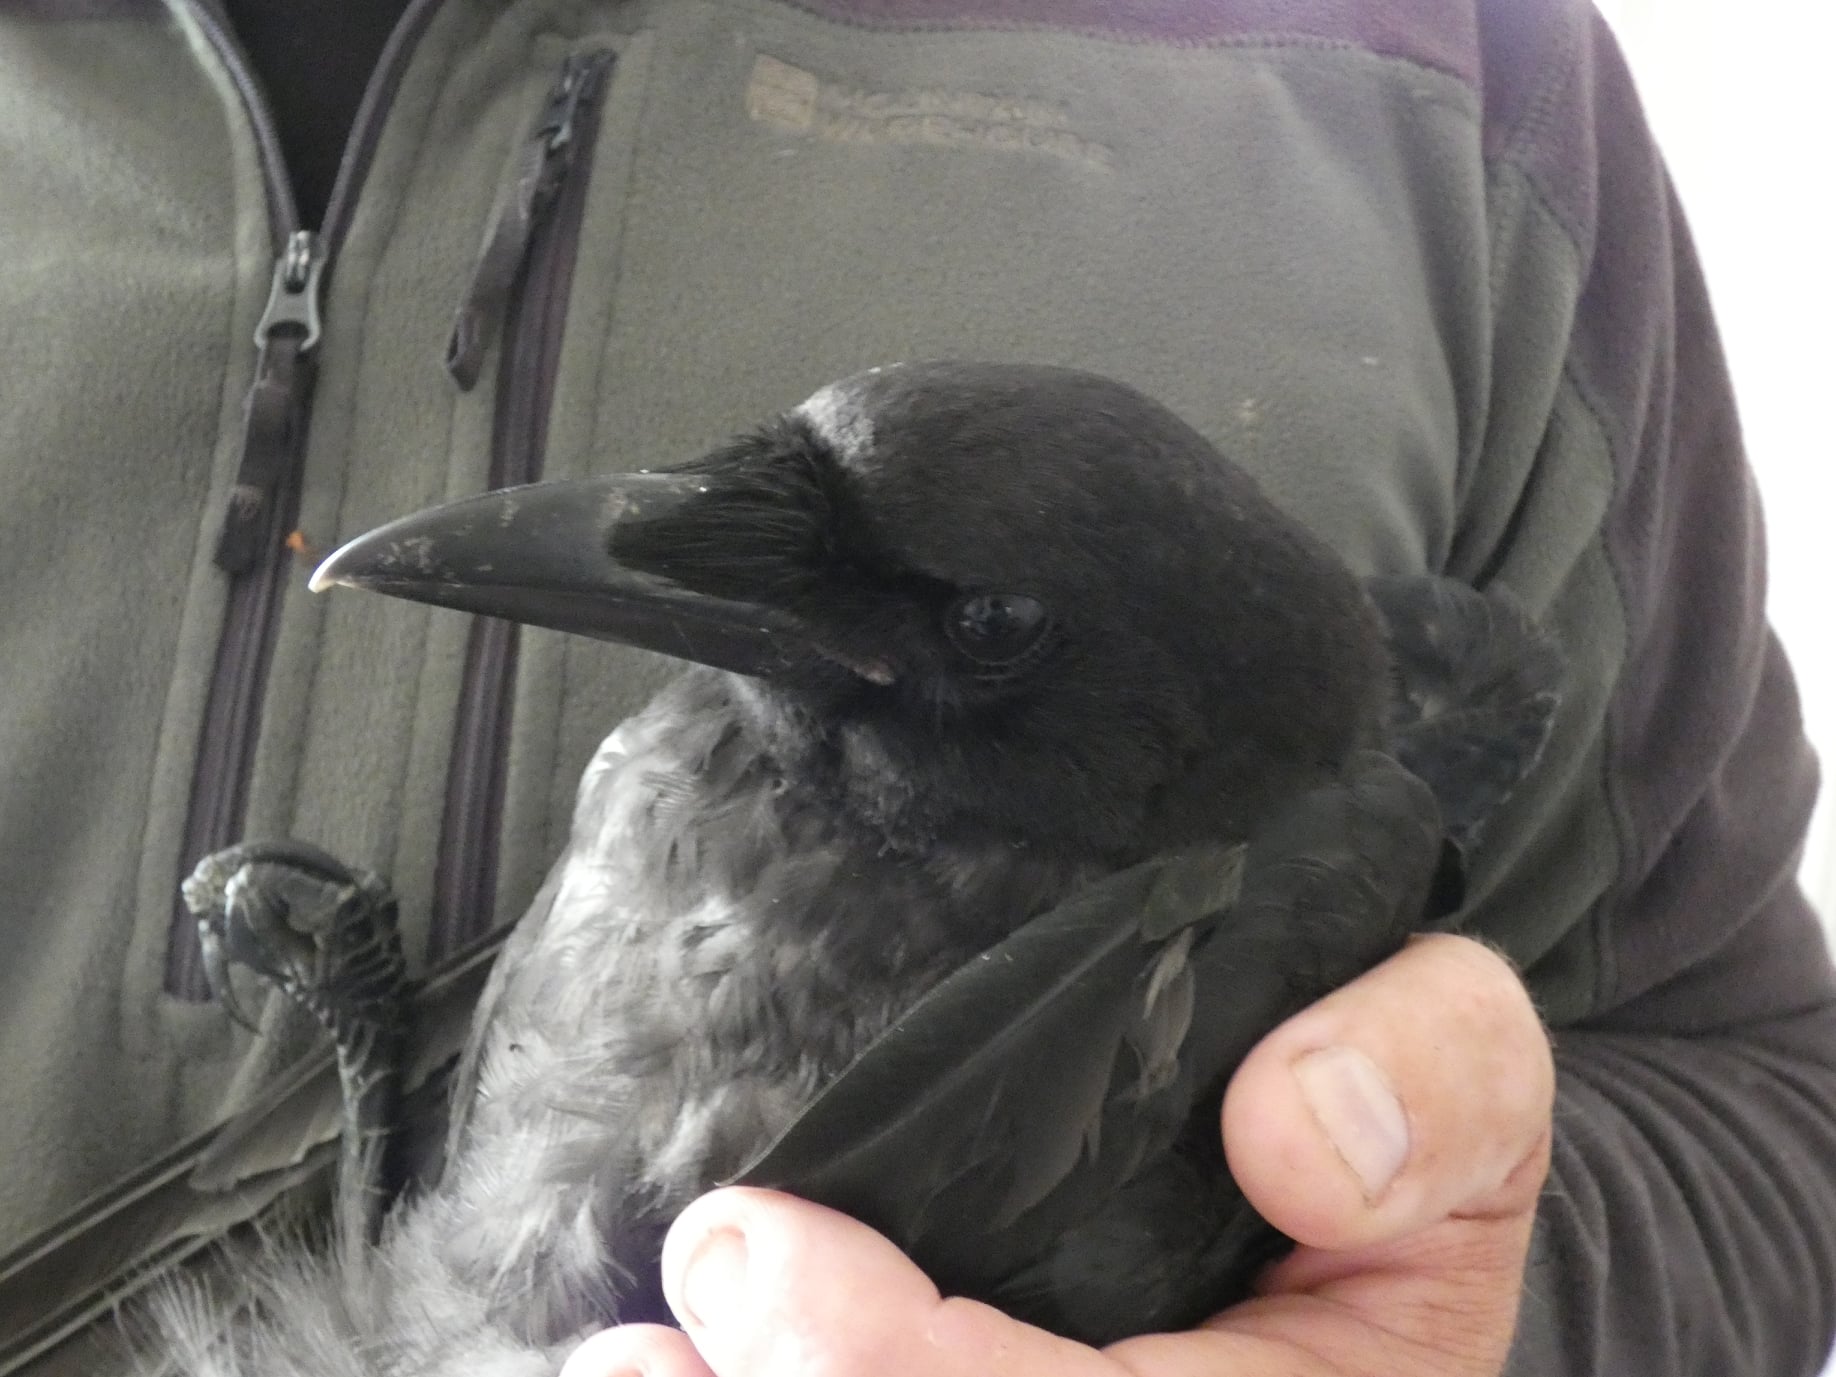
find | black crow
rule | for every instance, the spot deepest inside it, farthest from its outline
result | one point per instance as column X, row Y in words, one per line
column 1036, row 764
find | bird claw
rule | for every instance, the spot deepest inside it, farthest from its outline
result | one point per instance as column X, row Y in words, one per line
column 325, row 935
column 217, row 970
column 317, row 929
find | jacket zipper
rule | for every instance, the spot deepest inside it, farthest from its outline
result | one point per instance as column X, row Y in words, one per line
column 519, row 290
column 264, row 502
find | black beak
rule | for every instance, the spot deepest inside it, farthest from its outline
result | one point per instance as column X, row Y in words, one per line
column 542, row 555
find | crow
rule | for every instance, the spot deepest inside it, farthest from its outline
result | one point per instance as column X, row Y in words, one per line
column 1031, row 766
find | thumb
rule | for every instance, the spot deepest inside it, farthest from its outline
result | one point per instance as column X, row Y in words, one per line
column 753, row 1275
column 767, row 1285
column 1419, row 1092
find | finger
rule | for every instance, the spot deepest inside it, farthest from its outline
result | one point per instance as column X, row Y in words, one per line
column 636, row 1350
column 756, row 1277
column 1419, row 1092
column 770, row 1286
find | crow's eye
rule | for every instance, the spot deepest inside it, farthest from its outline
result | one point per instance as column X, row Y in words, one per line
column 996, row 630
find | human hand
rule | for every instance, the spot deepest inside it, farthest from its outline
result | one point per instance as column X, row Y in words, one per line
column 1413, row 1221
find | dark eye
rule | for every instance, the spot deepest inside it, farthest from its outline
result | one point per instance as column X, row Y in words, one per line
column 996, row 629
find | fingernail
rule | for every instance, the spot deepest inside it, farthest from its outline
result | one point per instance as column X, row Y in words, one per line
column 714, row 1279
column 1360, row 1114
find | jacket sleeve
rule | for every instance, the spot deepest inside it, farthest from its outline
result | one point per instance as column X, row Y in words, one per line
column 1689, row 1224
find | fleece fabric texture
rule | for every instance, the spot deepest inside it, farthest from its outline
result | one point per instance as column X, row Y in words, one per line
column 1414, row 264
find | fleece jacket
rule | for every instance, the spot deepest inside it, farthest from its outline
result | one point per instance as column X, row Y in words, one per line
column 1414, row 263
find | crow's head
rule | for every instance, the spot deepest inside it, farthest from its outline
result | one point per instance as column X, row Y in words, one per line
column 973, row 599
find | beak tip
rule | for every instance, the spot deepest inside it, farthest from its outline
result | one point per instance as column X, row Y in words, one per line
column 332, row 571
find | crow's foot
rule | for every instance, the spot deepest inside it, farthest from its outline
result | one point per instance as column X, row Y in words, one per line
column 324, row 933
column 321, row 931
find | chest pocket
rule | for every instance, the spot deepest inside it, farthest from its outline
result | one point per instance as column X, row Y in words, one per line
column 512, row 317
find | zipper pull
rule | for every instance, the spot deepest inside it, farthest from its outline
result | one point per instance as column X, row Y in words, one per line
column 293, row 299
column 286, row 336
column 541, row 166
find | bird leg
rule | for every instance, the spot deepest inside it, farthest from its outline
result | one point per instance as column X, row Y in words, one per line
column 325, row 935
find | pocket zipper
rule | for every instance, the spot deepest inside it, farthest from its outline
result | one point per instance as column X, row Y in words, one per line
column 518, row 293
column 543, row 167
column 251, row 547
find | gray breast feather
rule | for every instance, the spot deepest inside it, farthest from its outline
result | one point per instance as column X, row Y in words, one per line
column 703, row 957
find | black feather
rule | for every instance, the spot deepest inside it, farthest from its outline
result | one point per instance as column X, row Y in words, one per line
column 968, row 954
column 1478, row 684
column 1010, row 1119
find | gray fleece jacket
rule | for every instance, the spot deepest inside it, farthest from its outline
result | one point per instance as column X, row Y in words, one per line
column 1415, row 263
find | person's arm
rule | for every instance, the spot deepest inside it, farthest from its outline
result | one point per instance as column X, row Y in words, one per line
column 1685, row 1227
column 1689, row 1224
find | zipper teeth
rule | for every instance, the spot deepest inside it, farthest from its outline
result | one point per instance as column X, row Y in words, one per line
column 218, row 800
column 465, row 869
column 283, row 210
column 366, row 130
column 220, row 780
column 466, row 865
column 219, row 784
